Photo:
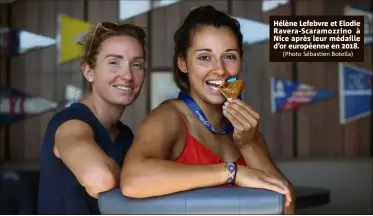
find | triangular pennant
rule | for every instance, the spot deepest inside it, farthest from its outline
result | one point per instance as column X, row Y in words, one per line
column 71, row 30
column 368, row 21
column 16, row 105
column 287, row 94
column 29, row 41
column 355, row 92
column 14, row 42
column 130, row 8
column 164, row 3
column 268, row 5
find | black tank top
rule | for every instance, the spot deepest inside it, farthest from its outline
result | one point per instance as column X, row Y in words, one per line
column 59, row 190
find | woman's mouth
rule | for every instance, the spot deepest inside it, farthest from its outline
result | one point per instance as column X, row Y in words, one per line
column 214, row 84
column 123, row 88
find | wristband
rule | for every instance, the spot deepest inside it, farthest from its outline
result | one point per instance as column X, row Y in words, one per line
column 231, row 171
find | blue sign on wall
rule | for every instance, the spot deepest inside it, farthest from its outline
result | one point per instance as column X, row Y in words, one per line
column 355, row 92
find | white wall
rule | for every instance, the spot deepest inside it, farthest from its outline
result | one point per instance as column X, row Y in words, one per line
column 349, row 181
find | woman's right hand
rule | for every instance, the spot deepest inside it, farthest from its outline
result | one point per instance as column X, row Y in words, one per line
column 253, row 178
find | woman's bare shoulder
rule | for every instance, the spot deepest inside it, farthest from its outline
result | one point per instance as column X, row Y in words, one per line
column 171, row 108
column 161, row 129
column 168, row 115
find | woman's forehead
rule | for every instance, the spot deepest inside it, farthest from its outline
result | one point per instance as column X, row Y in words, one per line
column 122, row 47
column 212, row 36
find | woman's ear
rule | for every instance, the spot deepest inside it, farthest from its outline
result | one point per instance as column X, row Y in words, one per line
column 87, row 72
column 182, row 64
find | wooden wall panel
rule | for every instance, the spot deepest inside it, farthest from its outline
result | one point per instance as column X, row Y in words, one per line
column 172, row 13
column 17, row 68
column 311, row 118
column 32, row 85
column 47, row 70
column 158, row 39
column 247, row 9
column 95, row 14
column 4, row 12
column 333, row 134
column 356, row 135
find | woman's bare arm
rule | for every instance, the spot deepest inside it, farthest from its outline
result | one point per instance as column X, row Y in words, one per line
column 76, row 147
column 257, row 156
column 148, row 170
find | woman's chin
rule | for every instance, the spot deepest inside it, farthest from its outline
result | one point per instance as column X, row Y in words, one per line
column 122, row 101
column 215, row 99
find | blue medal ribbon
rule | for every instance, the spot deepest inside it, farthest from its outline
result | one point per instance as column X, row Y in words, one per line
column 193, row 106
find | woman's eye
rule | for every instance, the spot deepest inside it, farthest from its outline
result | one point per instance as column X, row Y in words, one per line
column 231, row 57
column 138, row 65
column 204, row 58
column 113, row 63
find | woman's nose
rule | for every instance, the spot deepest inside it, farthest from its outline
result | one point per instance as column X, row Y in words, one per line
column 218, row 72
column 126, row 74
column 219, row 68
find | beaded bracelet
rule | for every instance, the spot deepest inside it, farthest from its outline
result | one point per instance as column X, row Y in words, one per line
column 231, row 171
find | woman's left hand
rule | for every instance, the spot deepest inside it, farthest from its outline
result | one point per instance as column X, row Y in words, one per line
column 244, row 120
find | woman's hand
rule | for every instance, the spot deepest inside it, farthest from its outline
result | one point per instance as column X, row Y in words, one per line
column 244, row 120
column 252, row 178
column 290, row 209
column 92, row 193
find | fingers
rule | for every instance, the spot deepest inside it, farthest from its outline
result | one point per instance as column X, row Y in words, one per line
column 283, row 185
column 237, row 124
column 276, row 181
column 243, row 114
column 273, row 187
column 290, row 210
column 260, row 179
column 288, row 199
column 278, row 189
column 246, row 107
column 235, row 115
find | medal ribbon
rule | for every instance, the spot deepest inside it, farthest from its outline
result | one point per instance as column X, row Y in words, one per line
column 193, row 106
